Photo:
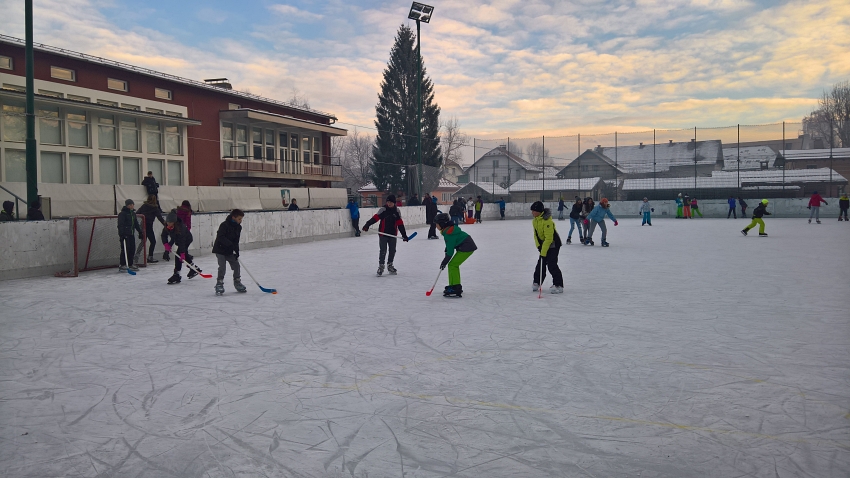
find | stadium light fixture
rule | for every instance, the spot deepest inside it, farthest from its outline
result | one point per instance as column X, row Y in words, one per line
column 420, row 12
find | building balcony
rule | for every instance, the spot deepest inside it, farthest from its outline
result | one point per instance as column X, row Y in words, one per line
column 282, row 170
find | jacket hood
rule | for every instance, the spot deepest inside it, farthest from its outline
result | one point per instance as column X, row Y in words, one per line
column 547, row 214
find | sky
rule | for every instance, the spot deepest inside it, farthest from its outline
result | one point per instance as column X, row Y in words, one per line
column 518, row 68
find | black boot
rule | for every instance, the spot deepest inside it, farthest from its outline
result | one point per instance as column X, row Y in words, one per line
column 174, row 279
column 453, row 291
column 152, row 260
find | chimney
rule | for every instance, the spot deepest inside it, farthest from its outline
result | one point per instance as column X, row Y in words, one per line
column 222, row 83
column 693, row 144
column 598, row 148
column 641, row 146
column 671, row 143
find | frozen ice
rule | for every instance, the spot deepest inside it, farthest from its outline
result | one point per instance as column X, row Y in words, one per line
column 684, row 349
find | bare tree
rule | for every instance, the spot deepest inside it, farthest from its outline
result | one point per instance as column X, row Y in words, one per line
column 356, row 159
column 536, row 155
column 299, row 99
column 452, row 139
column 831, row 120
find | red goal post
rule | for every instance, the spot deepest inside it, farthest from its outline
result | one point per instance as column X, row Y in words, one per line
column 95, row 244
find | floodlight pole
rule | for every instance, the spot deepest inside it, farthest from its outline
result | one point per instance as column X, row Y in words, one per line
column 419, row 96
column 32, row 159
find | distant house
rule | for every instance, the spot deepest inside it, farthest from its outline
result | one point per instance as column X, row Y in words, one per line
column 530, row 190
column 502, row 168
column 489, row 192
column 645, row 160
column 452, row 171
column 444, row 192
column 837, row 159
column 751, row 158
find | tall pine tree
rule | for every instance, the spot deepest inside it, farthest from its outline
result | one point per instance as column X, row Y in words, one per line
column 396, row 142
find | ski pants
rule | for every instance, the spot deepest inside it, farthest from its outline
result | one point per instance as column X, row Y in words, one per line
column 549, row 261
column 355, row 223
column 687, row 212
column 575, row 224
column 732, row 213
column 384, row 242
column 128, row 245
column 454, row 266
column 647, row 218
column 593, row 228
column 470, row 213
column 815, row 212
column 502, row 213
column 679, row 212
column 843, row 211
column 759, row 221
column 178, row 264
column 222, row 266
column 695, row 210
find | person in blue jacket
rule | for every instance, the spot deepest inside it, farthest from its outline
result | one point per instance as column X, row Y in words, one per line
column 501, row 203
column 561, row 207
column 355, row 215
column 732, row 205
column 597, row 216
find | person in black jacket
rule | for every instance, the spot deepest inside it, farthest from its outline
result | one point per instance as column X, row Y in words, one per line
column 127, row 223
column 226, row 250
column 456, row 211
column 152, row 187
column 414, row 201
column 743, row 207
column 176, row 233
column 575, row 220
column 150, row 211
column 34, row 212
column 391, row 223
column 430, row 214
column 293, row 206
column 758, row 213
column 8, row 212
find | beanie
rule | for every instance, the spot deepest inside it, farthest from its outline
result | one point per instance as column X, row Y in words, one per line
column 537, row 206
column 391, row 198
column 8, row 206
column 172, row 216
column 128, row 202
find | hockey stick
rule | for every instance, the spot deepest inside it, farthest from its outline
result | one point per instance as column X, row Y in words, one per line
column 270, row 291
column 540, row 289
column 435, row 283
column 410, row 237
column 127, row 260
column 194, row 268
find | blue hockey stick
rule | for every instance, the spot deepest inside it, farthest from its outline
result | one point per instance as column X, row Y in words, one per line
column 269, row 291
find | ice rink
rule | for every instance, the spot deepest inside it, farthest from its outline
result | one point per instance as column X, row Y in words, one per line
column 683, row 350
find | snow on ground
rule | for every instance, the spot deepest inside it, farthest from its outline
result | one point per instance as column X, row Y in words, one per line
column 684, row 349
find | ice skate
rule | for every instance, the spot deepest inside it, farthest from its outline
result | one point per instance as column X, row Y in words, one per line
column 453, row 291
column 810, row 221
column 392, row 270
column 219, row 287
column 744, row 232
column 556, row 290
column 535, row 287
column 569, row 240
column 605, row 244
column 152, row 260
column 239, row 286
column 191, row 274
column 818, row 221
column 762, row 234
column 174, row 279
column 122, row 268
column 134, row 268
column 380, row 269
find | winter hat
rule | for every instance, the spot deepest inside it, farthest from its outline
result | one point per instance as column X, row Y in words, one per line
column 391, row 198
column 171, row 217
column 128, row 202
column 604, row 201
column 815, row 192
column 443, row 220
column 680, row 194
column 8, row 206
column 537, row 206
column 764, row 201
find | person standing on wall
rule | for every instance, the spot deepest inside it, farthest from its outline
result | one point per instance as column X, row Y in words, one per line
column 430, row 213
column 814, row 204
column 127, row 223
column 150, row 210
column 354, row 210
column 732, row 204
column 743, row 207
column 293, row 206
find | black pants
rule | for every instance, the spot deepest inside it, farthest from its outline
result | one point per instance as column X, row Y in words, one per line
column 178, row 264
column 432, row 231
column 385, row 241
column 731, row 213
column 478, row 216
column 151, row 238
column 502, row 213
column 843, row 211
column 355, row 222
column 549, row 262
column 130, row 243
column 743, row 211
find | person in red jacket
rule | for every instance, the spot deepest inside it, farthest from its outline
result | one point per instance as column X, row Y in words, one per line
column 391, row 223
column 814, row 205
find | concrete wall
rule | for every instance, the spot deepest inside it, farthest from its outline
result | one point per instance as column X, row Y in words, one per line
column 29, row 249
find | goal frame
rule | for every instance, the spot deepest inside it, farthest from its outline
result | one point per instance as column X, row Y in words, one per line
column 75, row 230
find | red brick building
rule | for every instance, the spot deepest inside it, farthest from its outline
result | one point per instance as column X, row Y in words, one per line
column 105, row 122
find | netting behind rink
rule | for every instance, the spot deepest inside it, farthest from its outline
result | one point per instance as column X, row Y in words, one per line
column 95, row 245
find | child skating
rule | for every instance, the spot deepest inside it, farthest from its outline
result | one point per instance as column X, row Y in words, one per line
column 226, row 250
column 459, row 246
column 597, row 216
column 758, row 213
column 391, row 224
column 679, row 207
column 695, row 208
column 646, row 211
column 127, row 224
column 576, row 216
column 548, row 242
column 686, row 206
column 814, row 204
column 176, row 233
column 843, row 205
column 586, row 209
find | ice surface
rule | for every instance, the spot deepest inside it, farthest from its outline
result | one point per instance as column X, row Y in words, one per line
column 684, row 349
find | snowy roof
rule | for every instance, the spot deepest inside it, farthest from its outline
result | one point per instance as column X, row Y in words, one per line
column 491, row 188
column 729, row 179
column 502, row 151
column 446, row 184
column 554, row 185
column 751, row 157
column 804, row 154
column 551, row 172
column 368, row 187
column 639, row 159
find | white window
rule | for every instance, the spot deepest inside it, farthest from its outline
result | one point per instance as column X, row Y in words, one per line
column 114, row 84
column 241, row 141
column 317, row 150
column 79, row 166
column 257, row 142
column 52, row 168
column 175, row 173
column 305, row 149
column 270, row 145
column 108, row 166
column 173, row 141
column 15, row 165
column 129, row 135
column 84, row 99
column 14, row 122
column 107, row 103
column 7, row 86
column 283, row 143
column 49, row 125
column 63, row 73
column 78, row 128
column 131, row 170
column 294, row 155
column 131, row 107
column 495, row 163
column 227, row 140
column 156, row 167
column 107, row 133
column 5, row 62
column 54, row 94
column 153, row 137
column 162, row 93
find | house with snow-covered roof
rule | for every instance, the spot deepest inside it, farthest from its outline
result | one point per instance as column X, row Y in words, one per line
column 645, row 160
column 748, row 158
column 501, row 167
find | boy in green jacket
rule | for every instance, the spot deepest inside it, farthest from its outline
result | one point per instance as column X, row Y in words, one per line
column 548, row 242
column 459, row 246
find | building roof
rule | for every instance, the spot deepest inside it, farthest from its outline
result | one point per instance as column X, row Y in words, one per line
column 639, row 158
column 729, row 179
column 751, row 157
column 554, row 185
column 446, row 184
column 450, row 162
column 811, row 154
column 368, row 187
column 156, row 74
column 502, row 151
column 472, row 188
column 551, row 172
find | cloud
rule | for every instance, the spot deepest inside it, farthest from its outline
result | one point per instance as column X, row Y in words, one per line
column 289, row 11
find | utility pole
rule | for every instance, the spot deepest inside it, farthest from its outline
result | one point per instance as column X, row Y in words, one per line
column 32, row 158
column 419, row 96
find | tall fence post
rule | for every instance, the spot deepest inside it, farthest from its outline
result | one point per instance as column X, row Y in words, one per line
column 738, row 146
column 616, row 170
column 579, row 159
column 783, row 159
column 695, row 161
column 543, row 193
column 654, row 187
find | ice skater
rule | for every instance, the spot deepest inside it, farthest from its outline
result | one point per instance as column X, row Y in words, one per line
column 686, row 207
column 150, row 210
column 226, row 250
column 695, row 208
column 176, row 233
column 743, row 207
column 430, row 213
column 679, row 207
column 597, row 216
column 501, row 203
column 548, row 242
column 561, row 207
column 127, row 223
column 576, row 221
column 478, row 206
column 759, row 212
column 646, row 211
column 391, row 224
column 731, row 212
column 470, row 208
column 184, row 212
column 354, row 211
column 814, row 204
column 843, row 205
column 586, row 209
column 459, row 246
column 456, row 211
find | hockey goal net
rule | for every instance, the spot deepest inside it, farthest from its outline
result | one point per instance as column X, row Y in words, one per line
column 95, row 244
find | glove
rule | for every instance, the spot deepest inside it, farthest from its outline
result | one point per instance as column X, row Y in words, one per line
column 826, row 203
column 586, row 221
column 445, row 262
column 405, row 239
column 652, row 210
column 183, row 256
column 167, row 247
column 616, row 223
column 808, row 207
column 236, row 254
column 365, row 228
column 166, row 256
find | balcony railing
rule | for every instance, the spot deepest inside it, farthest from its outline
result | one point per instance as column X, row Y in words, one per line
column 232, row 165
